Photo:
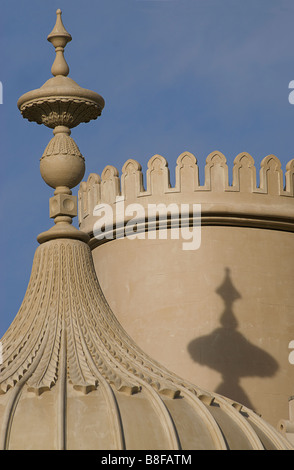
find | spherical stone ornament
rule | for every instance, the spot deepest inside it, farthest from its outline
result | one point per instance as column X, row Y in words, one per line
column 62, row 163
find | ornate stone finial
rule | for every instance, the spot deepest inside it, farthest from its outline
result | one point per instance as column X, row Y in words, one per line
column 61, row 104
column 59, row 37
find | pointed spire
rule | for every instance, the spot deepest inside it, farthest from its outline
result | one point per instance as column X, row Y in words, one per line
column 59, row 37
column 61, row 104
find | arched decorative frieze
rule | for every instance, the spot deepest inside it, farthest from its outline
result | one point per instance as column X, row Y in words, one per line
column 83, row 210
column 216, row 172
column 243, row 202
column 244, row 173
column 89, row 195
column 271, row 176
column 131, row 179
column 187, row 173
column 93, row 191
column 289, row 177
column 158, row 181
column 110, row 184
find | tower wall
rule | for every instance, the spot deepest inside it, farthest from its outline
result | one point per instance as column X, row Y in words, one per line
column 220, row 312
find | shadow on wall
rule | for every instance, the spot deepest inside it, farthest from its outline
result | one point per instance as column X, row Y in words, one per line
column 228, row 351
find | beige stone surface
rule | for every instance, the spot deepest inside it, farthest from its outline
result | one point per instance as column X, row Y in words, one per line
column 71, row 376
column 225, row 310
column 227, row 329
column 286, row 426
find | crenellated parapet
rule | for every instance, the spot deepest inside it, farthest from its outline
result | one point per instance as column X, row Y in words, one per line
column 239, row 200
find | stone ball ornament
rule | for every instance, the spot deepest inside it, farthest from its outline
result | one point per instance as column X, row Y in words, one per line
column 62, row 163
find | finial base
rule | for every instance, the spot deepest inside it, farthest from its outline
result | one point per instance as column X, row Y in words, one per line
column 63, row 230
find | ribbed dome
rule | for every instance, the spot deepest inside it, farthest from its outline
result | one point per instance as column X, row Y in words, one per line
column 73, row 379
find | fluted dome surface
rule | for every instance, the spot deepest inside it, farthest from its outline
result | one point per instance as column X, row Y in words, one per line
column 73, row 379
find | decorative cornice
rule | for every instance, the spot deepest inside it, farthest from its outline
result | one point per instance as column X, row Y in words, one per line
column 45, row 106
column 241, row 203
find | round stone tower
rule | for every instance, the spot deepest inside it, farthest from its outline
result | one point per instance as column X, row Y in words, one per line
column 202, row 276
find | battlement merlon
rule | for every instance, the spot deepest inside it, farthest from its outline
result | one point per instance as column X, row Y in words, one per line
column 242, row 203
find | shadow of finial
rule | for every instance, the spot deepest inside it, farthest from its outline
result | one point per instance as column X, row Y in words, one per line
column 229, row 294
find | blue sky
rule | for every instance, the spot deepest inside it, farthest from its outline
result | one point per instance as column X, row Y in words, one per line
column 176, row 75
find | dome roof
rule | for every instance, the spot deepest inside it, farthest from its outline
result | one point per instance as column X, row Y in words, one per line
column 72, row 378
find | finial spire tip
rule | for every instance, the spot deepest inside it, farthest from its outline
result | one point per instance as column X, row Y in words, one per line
column 59, row 32
column 59, row 37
